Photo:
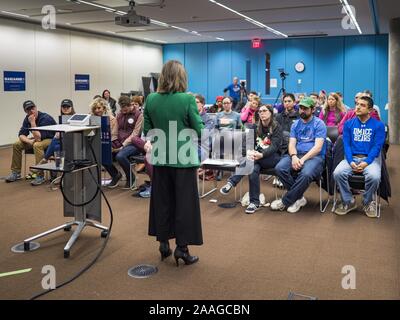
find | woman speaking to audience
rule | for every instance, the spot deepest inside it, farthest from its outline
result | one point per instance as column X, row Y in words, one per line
column 174, row 202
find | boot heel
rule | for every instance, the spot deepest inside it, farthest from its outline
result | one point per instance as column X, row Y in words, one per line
column 177, row 261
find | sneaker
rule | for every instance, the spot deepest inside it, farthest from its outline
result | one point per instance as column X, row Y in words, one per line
column 277, row 205
column 31, row 176
column 226, row 188
column 114, row 181
column 370, row 210
column 344, row 209
column 14, row 176
column 295, row 207
column 252, row 208
column 146, row 193
column 38, row 181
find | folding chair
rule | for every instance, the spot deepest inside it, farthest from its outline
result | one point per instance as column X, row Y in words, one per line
column 357, row 182
column 133, row 161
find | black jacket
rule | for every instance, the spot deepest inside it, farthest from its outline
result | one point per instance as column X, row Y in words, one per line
column 286, row 120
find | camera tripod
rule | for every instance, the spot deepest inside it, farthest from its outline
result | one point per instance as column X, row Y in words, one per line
column 282, row 90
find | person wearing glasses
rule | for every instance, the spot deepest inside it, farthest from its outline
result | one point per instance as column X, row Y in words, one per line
column 228, row 119
column 266, row 154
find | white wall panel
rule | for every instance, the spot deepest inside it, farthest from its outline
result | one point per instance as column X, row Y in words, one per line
column 52, row 58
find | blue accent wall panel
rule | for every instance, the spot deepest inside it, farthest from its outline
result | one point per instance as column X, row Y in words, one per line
column 359, row 66
column 174, row 52
column 196, row 57
column 329, row 64
column 300, row 50
column 346, row 64
column 219, row 69
column 277, row 50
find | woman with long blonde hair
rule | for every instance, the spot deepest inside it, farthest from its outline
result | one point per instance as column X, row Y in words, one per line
column 333, row 110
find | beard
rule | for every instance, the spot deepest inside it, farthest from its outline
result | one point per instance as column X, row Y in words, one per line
column 305, row 116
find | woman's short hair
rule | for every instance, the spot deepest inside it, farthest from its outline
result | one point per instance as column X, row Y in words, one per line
column 173, row 78
column 201, row 99
column 124, row 101
column 98, row 102
column 137, row 99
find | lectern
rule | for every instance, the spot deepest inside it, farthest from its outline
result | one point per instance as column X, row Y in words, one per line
column 81, row 181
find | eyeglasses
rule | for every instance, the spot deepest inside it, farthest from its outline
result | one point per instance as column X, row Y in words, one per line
column 227, row 102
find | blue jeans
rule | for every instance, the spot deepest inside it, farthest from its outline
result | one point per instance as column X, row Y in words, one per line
column 297, row 182
column 53, row 146
column 123, row 158
column 372, row 175
column 254, row 177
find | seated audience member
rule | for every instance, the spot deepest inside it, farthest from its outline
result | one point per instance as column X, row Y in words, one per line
column 66, row 109
column 317, row 108
column 207, row 120
column 352, row 114
column 305, row 160
column 266, row 154
column 99, row 108
column 248, row 113
column 228, row 119
column 289, row 114
column 322, row 97
column 363, row 138
column 130, row 121
column 39, row 141
column 112, row 104
column 368, row 93
column 341, row 99
column 137, row 103
column 333, row 111
column 217, row 106
column 300, row 97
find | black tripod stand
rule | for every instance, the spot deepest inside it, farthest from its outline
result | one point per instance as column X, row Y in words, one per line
column 282, row 91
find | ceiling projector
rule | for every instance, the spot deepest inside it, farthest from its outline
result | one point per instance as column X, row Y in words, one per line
column 132, row 19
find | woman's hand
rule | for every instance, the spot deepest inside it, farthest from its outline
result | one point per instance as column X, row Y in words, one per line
column 147, row 147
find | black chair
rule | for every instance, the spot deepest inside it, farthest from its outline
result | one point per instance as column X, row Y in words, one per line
column 133, row 160
column 332, row 133
column 357, row 182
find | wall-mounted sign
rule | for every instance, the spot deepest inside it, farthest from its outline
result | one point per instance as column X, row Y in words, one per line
column 256, row 43
column 14, row 81
column 82, row 82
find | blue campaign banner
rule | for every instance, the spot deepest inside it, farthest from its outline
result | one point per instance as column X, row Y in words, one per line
column 82, row 82
column 106, row 151
column 14, row 81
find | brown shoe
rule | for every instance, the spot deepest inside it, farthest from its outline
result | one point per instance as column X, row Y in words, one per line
column 140, row 167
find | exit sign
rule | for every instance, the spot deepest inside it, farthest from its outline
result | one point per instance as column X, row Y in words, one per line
column 256, row 43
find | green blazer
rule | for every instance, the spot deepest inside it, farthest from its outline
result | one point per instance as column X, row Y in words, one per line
column 170, row 114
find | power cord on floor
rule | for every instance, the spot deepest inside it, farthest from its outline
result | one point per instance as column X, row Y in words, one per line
column 83, row 270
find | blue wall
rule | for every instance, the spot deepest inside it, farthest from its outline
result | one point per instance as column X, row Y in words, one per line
column 345, row 64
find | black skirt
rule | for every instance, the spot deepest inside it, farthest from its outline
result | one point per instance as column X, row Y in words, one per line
column 175, row 206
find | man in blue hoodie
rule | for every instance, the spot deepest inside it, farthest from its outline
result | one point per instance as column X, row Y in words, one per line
column 363, row 138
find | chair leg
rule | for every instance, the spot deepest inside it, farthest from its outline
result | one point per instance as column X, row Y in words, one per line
column 334, row 197
column 322, row 207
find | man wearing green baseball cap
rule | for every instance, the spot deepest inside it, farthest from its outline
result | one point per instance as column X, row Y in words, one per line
column 306, row 157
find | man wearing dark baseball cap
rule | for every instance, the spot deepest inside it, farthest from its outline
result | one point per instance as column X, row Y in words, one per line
column 305, row 160
column 39, row 141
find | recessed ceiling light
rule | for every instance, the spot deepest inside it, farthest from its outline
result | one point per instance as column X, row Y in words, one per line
column 15, row 14
column 221, row 39
column 255, row 22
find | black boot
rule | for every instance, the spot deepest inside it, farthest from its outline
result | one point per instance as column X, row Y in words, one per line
column 165, row 250
column 182, row 252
